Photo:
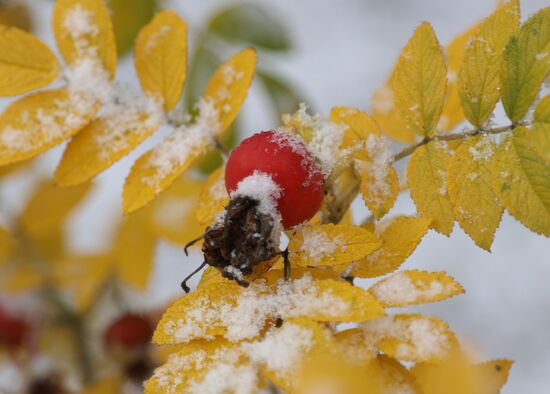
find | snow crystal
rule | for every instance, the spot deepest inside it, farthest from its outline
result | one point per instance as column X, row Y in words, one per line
column 482, row 150
column 180, row 145
column 541, row 55
column 177, row 365
column 399, row 289
column 281, row 348
column 421, row 336
column 11, row 378
column 377, row 167
column 79, row 23
column 261, row 187
column 326, row 138
column 316, row 244
column 245, row 316
column 154, row 38
column 383, row 100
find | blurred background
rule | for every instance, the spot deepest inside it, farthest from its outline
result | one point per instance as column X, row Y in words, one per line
column 325, row 54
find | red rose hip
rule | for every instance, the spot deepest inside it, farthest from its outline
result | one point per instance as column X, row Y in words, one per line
column 289, row 164
column 13, row 330
column 129, row 331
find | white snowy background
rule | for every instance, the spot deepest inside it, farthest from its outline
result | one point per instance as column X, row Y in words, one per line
column 344, row 50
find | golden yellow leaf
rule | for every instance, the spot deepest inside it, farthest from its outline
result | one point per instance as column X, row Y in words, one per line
column 213, row 198
column 161, row 57
column 181, row 323
column 387, row 115
column 526, row 64
column 7, row 244
column 469, row 184
column 155, row 171
column 102, row 142
column 13, row 168
column 134, row 249
column 426, row 178
column 419, row 81
column 39, row 121
column 331, row 245
column 15, row 13
column 189, row 370
column 47, row 209
column 392, row 377
column 228, row 87
column 107, row 385
column 478, row 78
column 411, row 337
column 457, row 375
column 83, row 30
column 542, row 112
column 379, row 180
column 521, row 176
column 353, row 343
column 20, row 277
column 359, row 125
column 452, row 109
column 277, row 273
column 26, row 63
column 82, row 276
column 210, row 276
column 173, row 213
column 415, row 287
column 399, row 239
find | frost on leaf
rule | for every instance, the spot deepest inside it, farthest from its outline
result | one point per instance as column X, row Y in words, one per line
column 419, row 81
column 331, row 245
column 426, row 176
column 26, row 63
column 476, row 207
column 415, row 287
column 83, row 30
column 521, row 176
column 414, row 338
column 399, row 239
column 225, row 309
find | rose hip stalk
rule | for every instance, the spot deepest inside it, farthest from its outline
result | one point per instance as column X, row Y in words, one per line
column 274, row 183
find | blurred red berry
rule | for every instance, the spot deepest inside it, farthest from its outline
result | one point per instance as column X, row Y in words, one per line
column 129, row 331
column 13, row 330
column 291, row 166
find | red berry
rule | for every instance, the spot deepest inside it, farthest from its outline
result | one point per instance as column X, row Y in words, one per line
column 129, row 331
column 13, row 330
column 290, row 165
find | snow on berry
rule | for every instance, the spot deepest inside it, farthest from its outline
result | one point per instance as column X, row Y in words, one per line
column 289, row 164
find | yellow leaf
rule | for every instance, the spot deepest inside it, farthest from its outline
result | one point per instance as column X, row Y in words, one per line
column 161, row 57
column 399, row 239
column 426, row 178
column 392, row 377
column 526, row 64
column 456, row 375
column 521, row 176
column 173, row 213
column 359, row 125
column 452, row 110
column 229, row 86
column 387, row 115
column 353, row 343
column 82, row 277
column 26, row 63
column 211, row 276
column 155, row 171
column 415, row 287
column 478, row 78
column 277, row 272
column 83, row 30
column 213, row 198
column 191, row 370
column 13, row 168
column 181, row 323
column 379, row 180
column 107, row 385
column 101, row 143
column 39, row 121
column 408, row 337
column 419, row 81
column 7, row 244
column 20, row 278
column 45, row 213
column 331, row 245
column 134, row 249
column 17, row 14
column 542, row 112
column 476, row 207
